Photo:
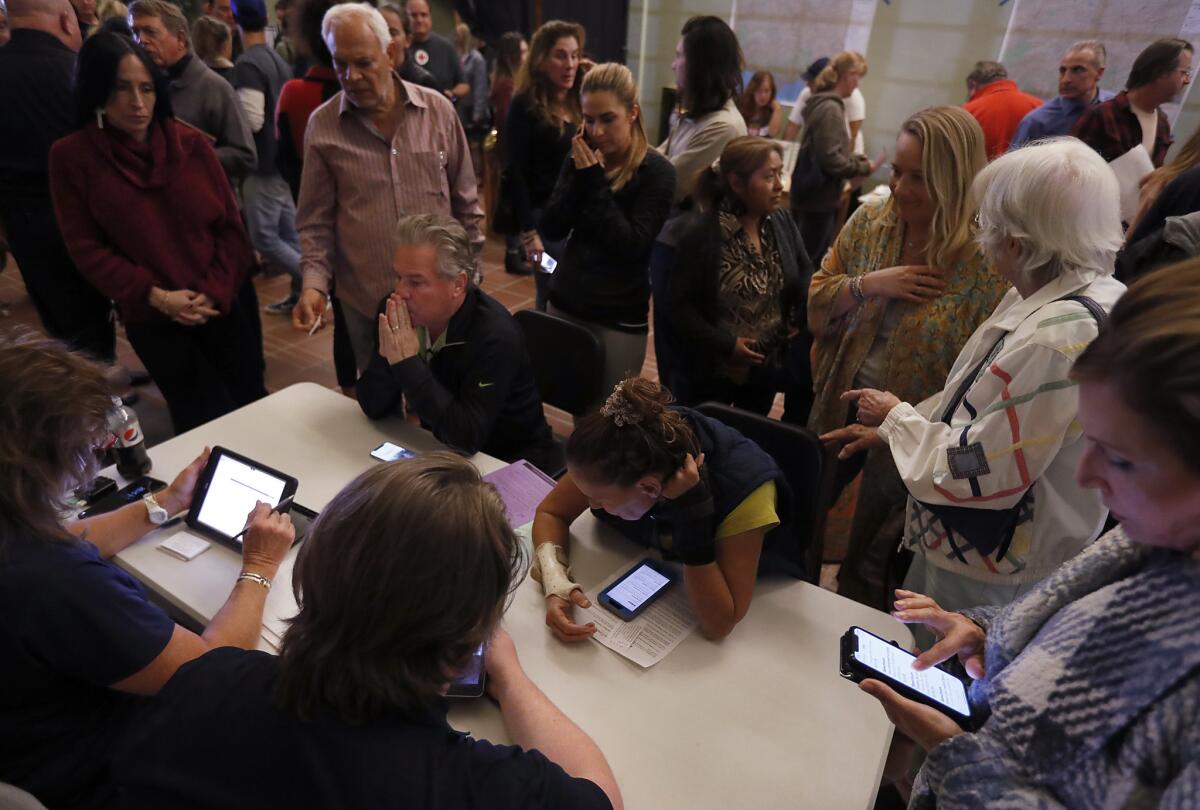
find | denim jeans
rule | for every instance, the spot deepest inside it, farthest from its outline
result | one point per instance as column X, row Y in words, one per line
column 271, row 218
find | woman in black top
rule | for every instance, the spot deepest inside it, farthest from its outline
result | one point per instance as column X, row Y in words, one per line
column 612, row 197
column 542, row 119
column 739, row 291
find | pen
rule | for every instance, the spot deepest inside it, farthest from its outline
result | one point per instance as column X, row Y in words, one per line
column 279, row 507
column 320, row 319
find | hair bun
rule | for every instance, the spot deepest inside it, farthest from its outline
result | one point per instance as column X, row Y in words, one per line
column 635, row 400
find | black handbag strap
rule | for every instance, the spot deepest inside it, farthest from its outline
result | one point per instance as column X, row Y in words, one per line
column 1097, row 312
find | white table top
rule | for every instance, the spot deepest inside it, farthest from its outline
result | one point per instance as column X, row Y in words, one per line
column 761, row 719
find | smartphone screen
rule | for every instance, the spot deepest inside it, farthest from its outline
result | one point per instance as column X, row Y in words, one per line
column 548, row 263
column 887, row 659
column 391, row 452
column 470, row 682
column 637, row 587
column 233, row 491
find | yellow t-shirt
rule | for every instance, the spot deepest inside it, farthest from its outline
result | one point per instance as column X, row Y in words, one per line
column 757, row 511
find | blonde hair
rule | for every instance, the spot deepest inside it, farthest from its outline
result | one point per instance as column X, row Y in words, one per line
column 845, row 62
column 108, row 9
column 532, row 82
column 209, row 36
column 952, row 153
column 611, row 77
column 1187, row 158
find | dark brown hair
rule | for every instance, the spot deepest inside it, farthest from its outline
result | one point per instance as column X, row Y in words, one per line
column 532, row 81
column 633, row 435
column 1149, row 351
column 402, row 576
column 714, row 65
column 54, row 410
column 742, row 157
column 508, row 56
column 1157, row 60
column 746, row 102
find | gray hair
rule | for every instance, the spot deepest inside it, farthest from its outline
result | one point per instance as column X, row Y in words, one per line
column 1099, row 54
column 358, row 12
column 1059, row 200
column 170, row 14
column 446, row 235
column 986, row 72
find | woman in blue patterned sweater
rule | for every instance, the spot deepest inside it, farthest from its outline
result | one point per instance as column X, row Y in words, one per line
column 1088, row 687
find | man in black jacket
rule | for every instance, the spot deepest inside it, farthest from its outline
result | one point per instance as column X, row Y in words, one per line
column 36, row 70
column 454, row 353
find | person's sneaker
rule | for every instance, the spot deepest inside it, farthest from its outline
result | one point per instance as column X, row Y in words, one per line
column 283, row 307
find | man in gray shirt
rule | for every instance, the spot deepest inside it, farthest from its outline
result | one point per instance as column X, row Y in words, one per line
column 259, row 76
column 435, row 53
column 200, row 98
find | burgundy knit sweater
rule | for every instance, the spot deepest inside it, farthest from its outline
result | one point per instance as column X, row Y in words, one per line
column 136, row 215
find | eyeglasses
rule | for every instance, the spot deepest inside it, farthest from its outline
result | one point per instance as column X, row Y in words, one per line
column 1187, row 72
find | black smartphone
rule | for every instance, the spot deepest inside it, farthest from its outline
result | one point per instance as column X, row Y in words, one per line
column 101, row 485
column 126, row 494
column 866, row 655
column 637, row 589
column 472, row 679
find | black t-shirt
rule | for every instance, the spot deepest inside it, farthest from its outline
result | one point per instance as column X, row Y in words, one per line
column 213, row 738
column 39, row 108
column 73, row 624
column 438, row 56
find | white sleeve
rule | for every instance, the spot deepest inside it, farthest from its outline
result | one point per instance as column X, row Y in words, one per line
column 796, row 116
column 1026, row 415
column 856, row 107
column 254, row 104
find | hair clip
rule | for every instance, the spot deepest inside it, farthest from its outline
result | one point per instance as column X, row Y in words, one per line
column 619, row 409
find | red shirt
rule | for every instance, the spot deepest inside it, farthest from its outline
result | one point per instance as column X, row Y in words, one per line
column 136, row 216
column 999, row 108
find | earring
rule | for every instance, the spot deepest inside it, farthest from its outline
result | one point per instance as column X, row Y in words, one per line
column 100, row 117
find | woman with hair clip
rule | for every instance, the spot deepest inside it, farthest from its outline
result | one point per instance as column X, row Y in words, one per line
column 671, row 479
column 708, row 77
column 151, row 221
column 739, row 291
column 759, row 107
column 542, row 119
column 827, row 160
column 402, row 577
column 1172, row 191
column 894, row 301
column 611, row 199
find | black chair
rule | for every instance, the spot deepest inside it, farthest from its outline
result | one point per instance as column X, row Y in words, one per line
column 568, row 362
column 799, row 454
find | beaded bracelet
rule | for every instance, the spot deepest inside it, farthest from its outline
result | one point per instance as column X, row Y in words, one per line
column 856, row 289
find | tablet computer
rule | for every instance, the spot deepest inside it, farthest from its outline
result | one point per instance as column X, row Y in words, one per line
column 226, row 493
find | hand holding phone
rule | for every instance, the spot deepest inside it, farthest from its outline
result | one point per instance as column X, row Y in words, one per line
column 547, row 263
column 866, row 656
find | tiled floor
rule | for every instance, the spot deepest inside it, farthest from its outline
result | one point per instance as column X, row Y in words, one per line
column 293, row 356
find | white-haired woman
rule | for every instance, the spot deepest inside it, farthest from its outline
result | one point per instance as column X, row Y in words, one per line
column 989, row 463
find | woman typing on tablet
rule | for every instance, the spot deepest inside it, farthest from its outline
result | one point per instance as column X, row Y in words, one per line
column 670, row 478
column 1090, row 683
column 406, row 571
column 79, row 638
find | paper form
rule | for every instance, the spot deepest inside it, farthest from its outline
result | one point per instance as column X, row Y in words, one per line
column 522, row 487
column 650, row 637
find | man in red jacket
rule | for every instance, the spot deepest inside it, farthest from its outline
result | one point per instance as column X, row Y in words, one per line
column 997, row 104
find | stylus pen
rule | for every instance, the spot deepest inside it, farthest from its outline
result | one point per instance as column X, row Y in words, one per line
column 279, row 507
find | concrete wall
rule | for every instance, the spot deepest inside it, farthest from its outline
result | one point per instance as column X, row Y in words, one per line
column 919, row 53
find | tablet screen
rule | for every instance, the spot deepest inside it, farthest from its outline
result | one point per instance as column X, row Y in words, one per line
column 894, row 662
column 232, row 493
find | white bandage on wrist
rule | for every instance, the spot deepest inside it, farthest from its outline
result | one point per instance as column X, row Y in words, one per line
column 552, row 571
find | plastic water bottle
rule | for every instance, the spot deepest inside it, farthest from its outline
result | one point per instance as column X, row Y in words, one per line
column 132, row 459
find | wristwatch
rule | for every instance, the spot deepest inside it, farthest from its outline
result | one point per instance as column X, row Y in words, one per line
column 158, row 516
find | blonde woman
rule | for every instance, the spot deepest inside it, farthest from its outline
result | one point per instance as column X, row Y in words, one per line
column 111, row 9
column 612, row 197
column 1162, row 197
column 827, row 157
column 896, row 297
column 213, row 45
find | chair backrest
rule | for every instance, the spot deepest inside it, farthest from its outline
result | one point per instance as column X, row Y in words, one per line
column 568, row 361
column 799, row 454
column 13, row 798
